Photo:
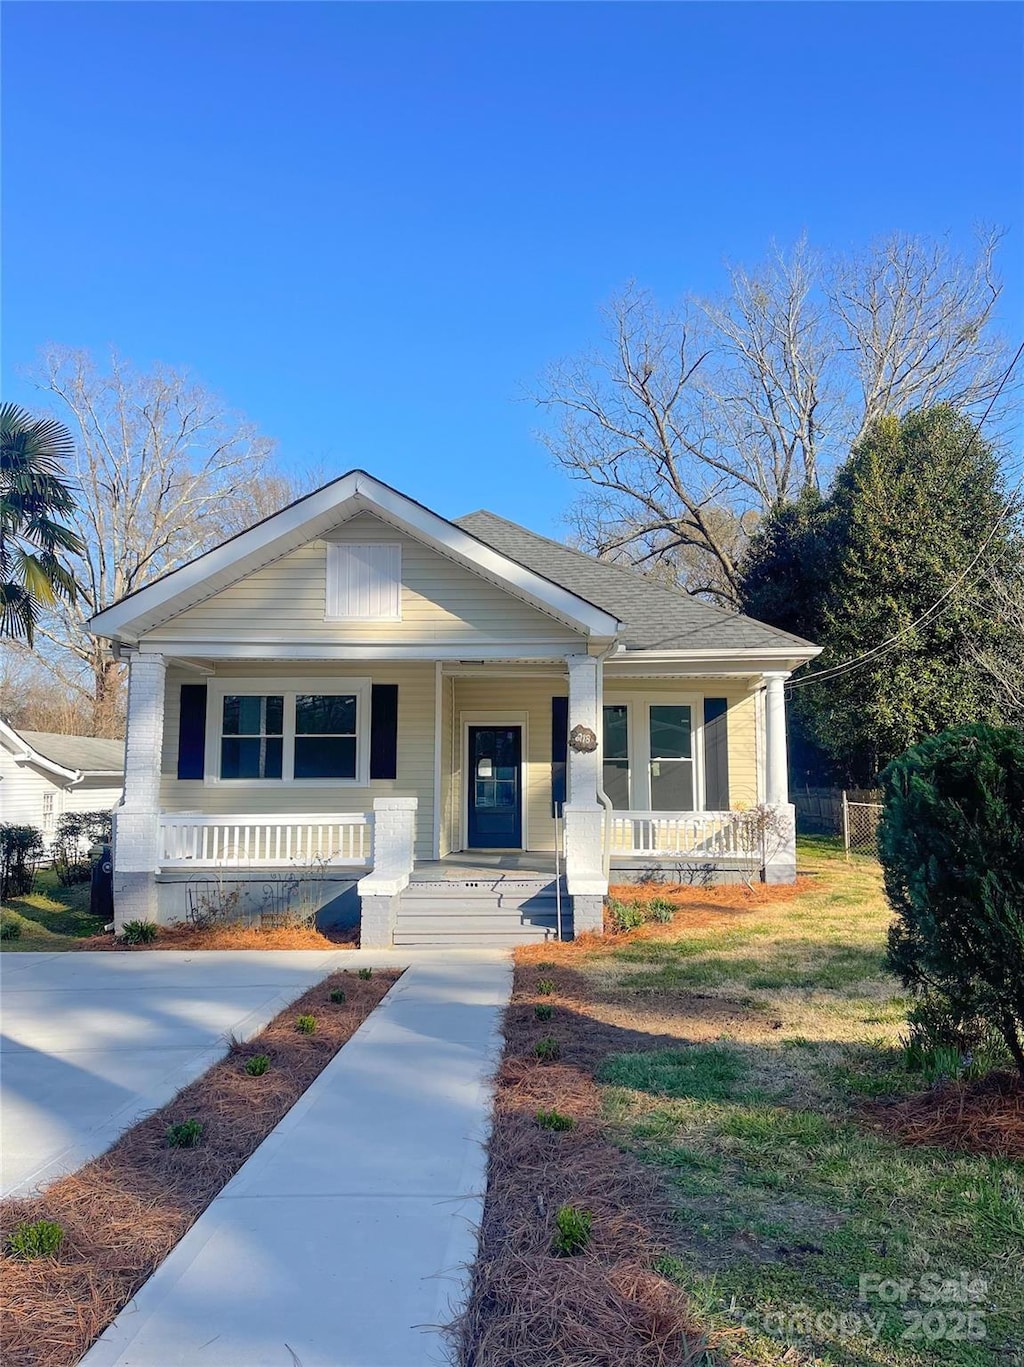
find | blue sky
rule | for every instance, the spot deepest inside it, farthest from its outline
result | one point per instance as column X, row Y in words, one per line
column 370, row 226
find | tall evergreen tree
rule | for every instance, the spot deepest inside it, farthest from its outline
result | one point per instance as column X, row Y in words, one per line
column 917, row 499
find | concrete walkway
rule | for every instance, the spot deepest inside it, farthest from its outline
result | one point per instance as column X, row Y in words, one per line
column 344, row 1240
column 92, row 1041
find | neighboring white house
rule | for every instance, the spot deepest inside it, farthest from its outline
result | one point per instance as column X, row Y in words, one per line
column 44, row 775
column 480, row 725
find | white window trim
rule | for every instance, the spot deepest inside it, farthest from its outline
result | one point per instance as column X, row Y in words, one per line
column 520, row 719
column 639, row 706
column 289, row 688
column 332, row 547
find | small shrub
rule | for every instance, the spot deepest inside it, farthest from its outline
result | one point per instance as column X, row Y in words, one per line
column 554, row 1120
column 306, row 1025
column 544, row 1011
column 138, row 932
column 547, row 1049
column 257, row 1065
column 21, row 848
column 10, row 927
column 625, row 916
column 545, row 986
column 338, row 996
column 661, row 910
column 366, row 974
column 572, row 1231
column 36, row 1239
column 187, row 1134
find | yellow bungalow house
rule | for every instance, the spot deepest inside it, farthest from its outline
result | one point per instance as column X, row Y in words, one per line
column 471, row 726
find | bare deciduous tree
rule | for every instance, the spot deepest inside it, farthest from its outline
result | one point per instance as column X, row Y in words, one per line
column 164, row 470
column 688, row 424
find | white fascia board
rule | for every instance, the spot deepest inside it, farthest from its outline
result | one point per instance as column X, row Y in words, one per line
column 312, row 517
column 735, row 660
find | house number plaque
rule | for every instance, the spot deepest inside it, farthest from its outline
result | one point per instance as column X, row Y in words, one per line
column 582, row 740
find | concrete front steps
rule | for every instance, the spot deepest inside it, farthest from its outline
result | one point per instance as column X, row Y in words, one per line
column 494, row 912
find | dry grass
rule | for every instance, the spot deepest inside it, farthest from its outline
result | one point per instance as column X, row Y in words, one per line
column 123, row 1212
column 606, row 1307
column 233, row 937
column 985, row 1116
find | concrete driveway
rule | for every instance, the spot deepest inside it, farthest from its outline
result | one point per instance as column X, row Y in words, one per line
column 92, row 1041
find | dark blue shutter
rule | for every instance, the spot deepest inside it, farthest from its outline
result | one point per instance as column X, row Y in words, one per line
column 559, row 752
column 384, row 731
column 716, row 754
column 192, row 731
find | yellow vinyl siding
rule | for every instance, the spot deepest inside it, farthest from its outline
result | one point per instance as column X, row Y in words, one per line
column 415, row 753
column 440, row 601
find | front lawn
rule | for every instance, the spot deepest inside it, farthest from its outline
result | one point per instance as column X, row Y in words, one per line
column 51, row 916
column 742, row 1057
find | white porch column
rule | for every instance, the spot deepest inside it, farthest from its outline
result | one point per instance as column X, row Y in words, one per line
column 780, row 832
column 137, row 820
column 584, row 815
column 394, row 841
column 776, row 754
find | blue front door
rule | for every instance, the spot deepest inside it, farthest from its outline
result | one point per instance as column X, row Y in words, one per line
column 495, row 787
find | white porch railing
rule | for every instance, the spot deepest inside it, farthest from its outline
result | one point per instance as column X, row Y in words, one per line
column 671, row 835
column 190, row 840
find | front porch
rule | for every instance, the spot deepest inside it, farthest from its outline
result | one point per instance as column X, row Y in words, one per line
column 408, row 850
column 363, row 864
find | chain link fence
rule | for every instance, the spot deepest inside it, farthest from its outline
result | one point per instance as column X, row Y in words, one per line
column 862, row 812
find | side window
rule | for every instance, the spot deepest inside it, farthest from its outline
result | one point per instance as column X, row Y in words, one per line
column 616, row 755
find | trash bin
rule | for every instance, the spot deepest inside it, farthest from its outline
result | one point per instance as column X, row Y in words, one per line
column 101, row 891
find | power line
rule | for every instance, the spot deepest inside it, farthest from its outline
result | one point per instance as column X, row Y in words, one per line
column 943, row 601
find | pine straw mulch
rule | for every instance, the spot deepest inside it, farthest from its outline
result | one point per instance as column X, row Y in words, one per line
column 985, row 1116
column 123, row 1212
column 183, row 936
column 606, row 1307
column 695, row 909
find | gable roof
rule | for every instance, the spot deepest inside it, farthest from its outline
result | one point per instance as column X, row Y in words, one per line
column 318, row 513
column 655, row 617
column 70, row 757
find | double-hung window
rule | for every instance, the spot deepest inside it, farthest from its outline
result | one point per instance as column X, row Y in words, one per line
column 252, row 736
column 673, row 787
column 325, row 735
column 290, row 734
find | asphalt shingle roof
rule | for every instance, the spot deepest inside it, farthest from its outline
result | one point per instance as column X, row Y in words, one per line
column 90, row 754
column 655, row 617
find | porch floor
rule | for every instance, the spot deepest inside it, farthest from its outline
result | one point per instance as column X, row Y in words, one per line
column 474, row 864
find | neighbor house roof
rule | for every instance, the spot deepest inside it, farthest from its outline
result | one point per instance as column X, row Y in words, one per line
column 70, row 757
column 87, row 754
column 655, row 617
